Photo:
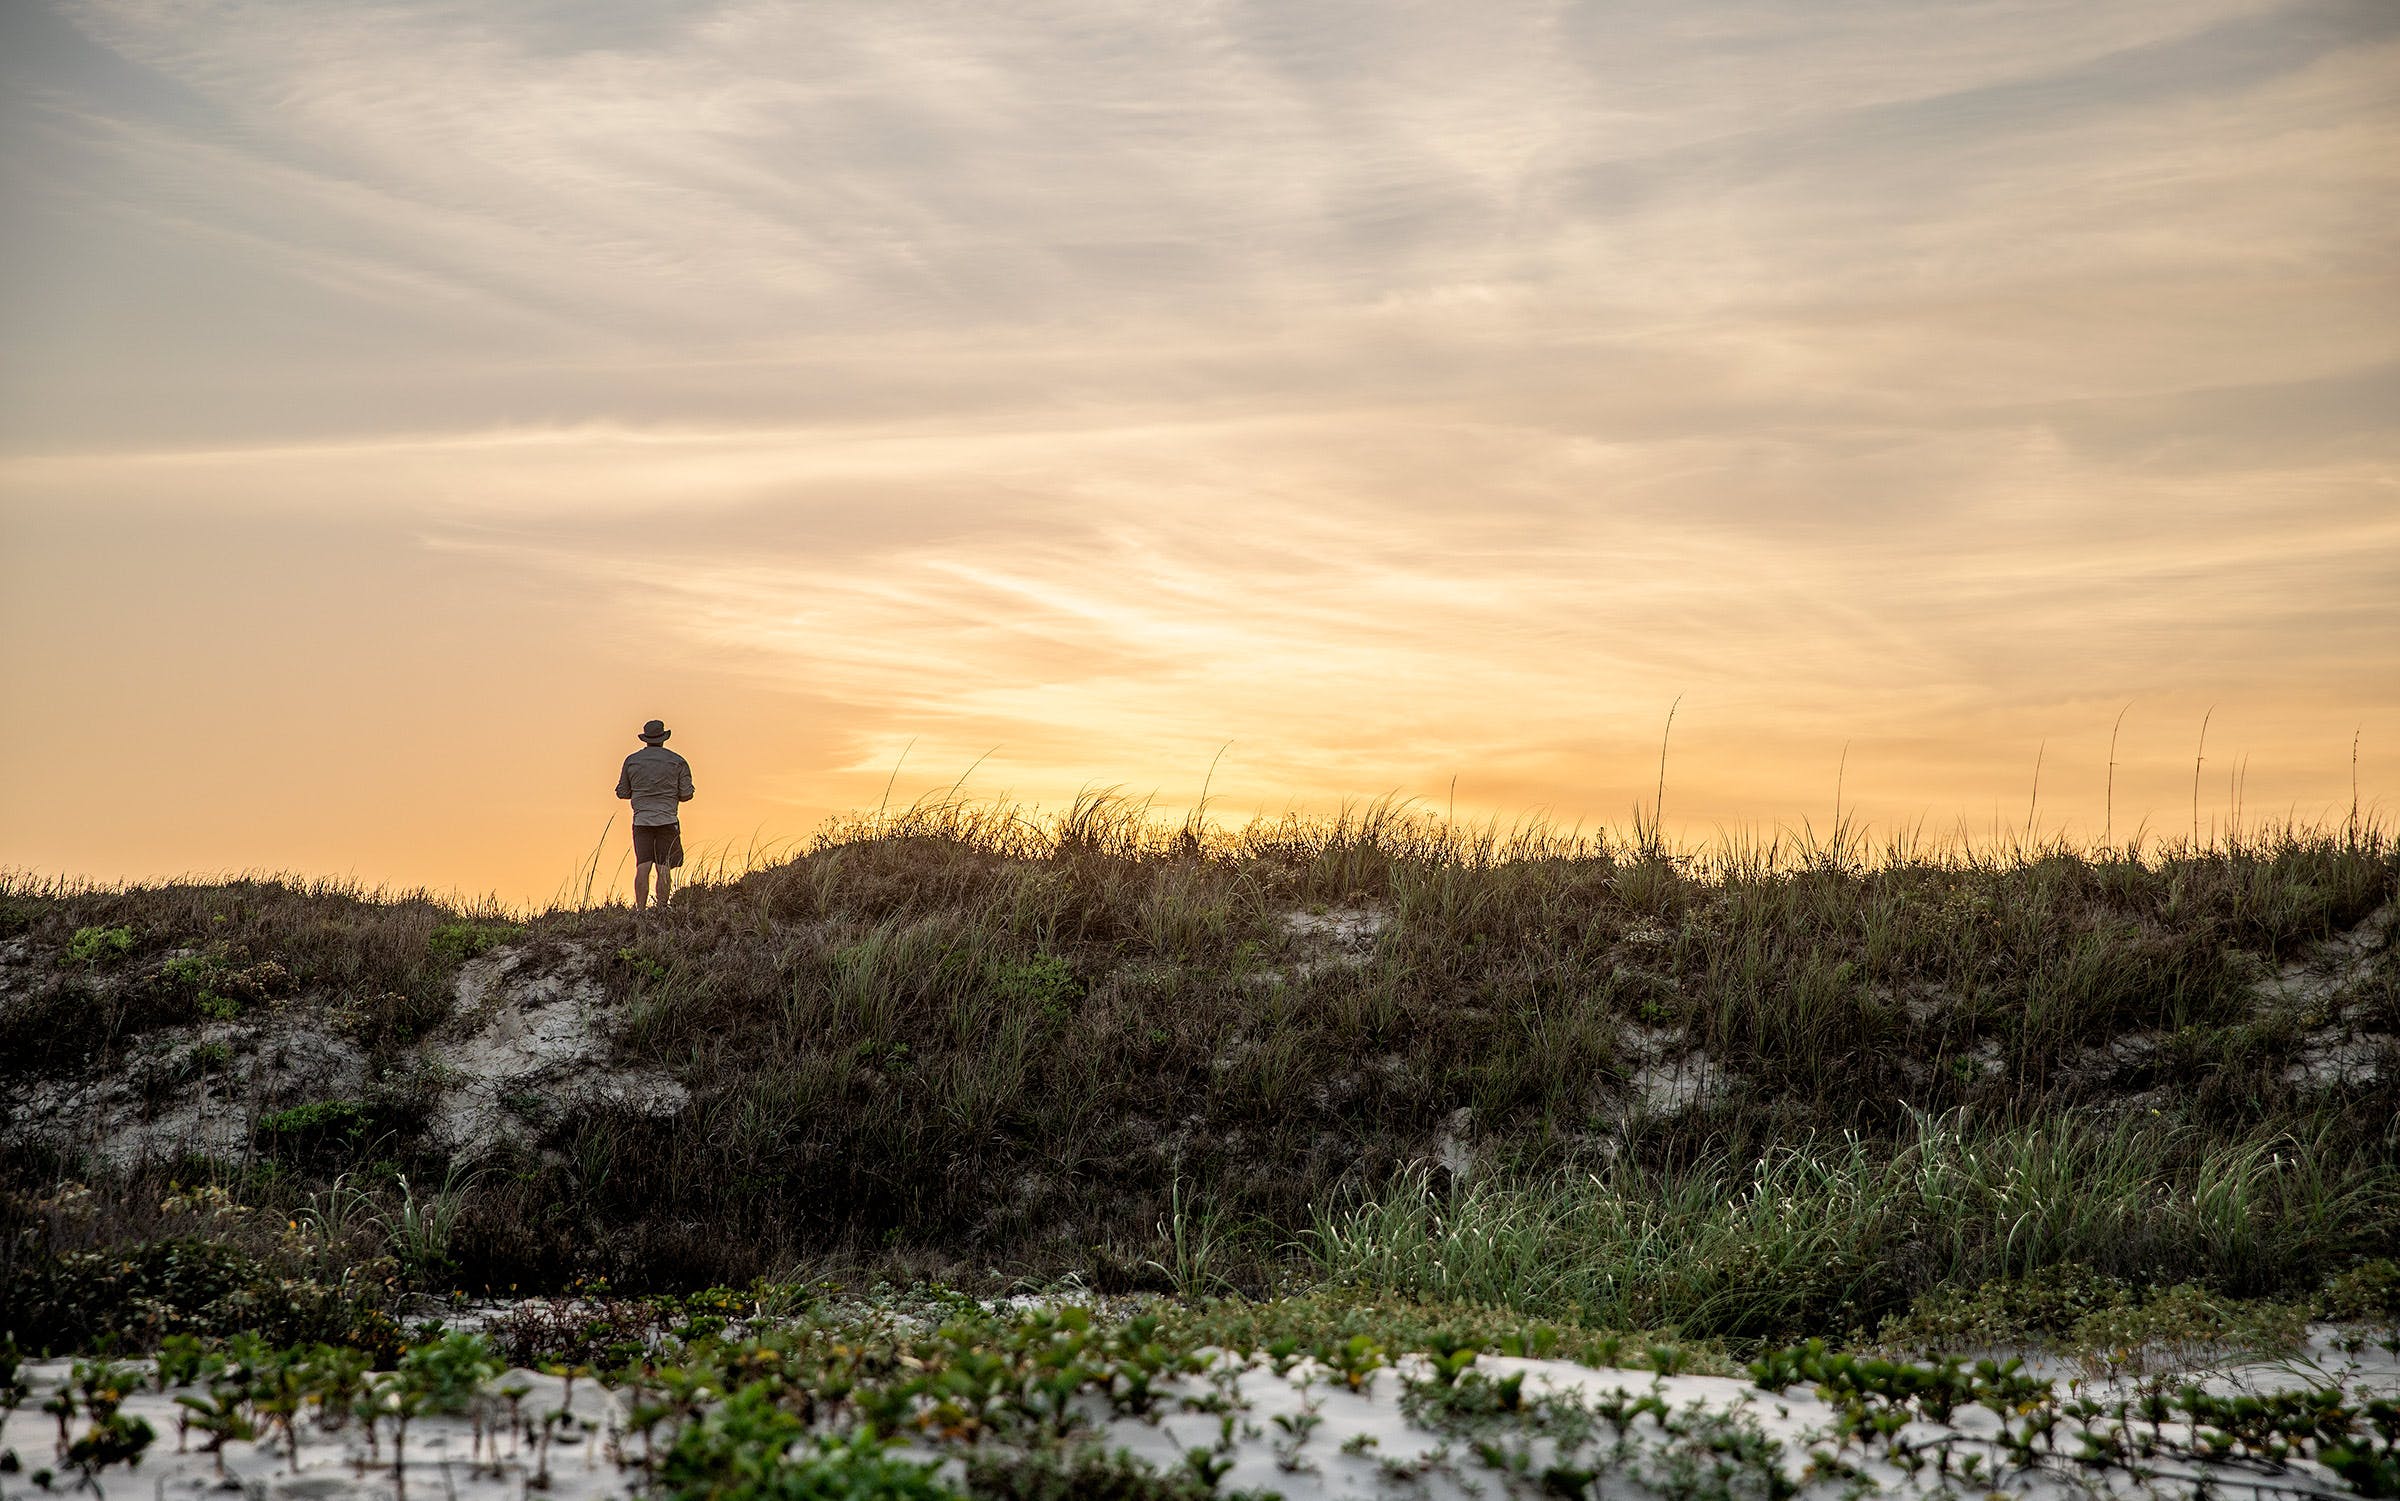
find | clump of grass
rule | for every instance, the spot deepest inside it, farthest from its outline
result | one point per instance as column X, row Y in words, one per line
column 1835, row 1234
column 420, row 1230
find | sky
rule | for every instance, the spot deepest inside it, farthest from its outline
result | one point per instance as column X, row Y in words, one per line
column 401, row 402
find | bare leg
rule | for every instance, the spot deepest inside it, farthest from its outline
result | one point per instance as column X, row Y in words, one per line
column 641, row 884
column 666, row 883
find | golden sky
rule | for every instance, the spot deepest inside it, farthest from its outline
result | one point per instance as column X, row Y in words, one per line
column 400, row 402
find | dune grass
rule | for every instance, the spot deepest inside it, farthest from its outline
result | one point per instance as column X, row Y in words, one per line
column 964, row 1040
column 1840, row 1234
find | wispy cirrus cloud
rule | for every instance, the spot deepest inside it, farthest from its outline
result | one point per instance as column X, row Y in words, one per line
column 1397, row 390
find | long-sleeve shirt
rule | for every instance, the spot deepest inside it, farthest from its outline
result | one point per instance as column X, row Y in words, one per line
column 656, row 779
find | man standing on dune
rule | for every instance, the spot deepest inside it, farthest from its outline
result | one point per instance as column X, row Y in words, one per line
column 655, row 780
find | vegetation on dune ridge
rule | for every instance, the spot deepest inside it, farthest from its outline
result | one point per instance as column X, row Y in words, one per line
column 1762, row 1090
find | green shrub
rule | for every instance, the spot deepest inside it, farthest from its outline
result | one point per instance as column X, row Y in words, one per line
column 1045, row 982
column 2368, row 1292
column 131, row 1297
column 384, row 1017
column 742, row 1450
column 2042, row 1307
column 113, row 1438
column 218, row 993
column 2076, row 1310
column 447, row 1373
column 257, row 982
column 595, row 1330
column 2183, row 1326
column 646, row 966
column 97, row 945
column 320, row 1128
column 467, row 940
column 191, row 971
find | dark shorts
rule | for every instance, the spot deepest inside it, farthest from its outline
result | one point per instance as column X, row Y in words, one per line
column 658, row 844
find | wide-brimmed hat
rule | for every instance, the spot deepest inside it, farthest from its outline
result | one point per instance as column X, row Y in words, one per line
column 655, row 732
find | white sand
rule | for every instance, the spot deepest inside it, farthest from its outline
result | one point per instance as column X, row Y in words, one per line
column 1362, row 1443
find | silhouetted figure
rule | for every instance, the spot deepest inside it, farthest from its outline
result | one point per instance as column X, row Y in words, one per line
column 655, row 780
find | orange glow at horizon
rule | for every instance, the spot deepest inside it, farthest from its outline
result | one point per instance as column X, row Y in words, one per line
column 401, row 406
